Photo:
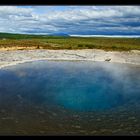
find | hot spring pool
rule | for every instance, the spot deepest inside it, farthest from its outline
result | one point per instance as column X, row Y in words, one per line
column 65, row 97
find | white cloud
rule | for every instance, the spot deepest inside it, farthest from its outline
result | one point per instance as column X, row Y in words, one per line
column 13, row 10
column 72, row 19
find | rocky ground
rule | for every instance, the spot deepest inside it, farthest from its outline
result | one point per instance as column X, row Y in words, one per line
column 20, row 56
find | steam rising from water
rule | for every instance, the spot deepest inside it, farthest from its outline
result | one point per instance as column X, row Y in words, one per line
column 55, row 97
column 83, row 86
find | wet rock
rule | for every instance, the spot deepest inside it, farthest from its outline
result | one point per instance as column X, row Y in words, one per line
column 16, row 121
column 40, row 112
column 131, row 118
column 117, row 130
column 54, row 114
column 2, row 111
column 103, row 130
column 108, row 59
column 94, row 131
column 76, row 126
column 98, row 119
column 42, row 132
column 121, row 125
column 75, row 116
column 43, row 121
column 7, row 118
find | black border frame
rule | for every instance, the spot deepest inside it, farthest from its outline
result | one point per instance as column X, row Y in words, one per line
column 69, row 2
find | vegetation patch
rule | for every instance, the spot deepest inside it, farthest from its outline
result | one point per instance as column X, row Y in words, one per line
column 60, row 42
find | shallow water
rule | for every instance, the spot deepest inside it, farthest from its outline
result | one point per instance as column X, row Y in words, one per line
column 65, row 97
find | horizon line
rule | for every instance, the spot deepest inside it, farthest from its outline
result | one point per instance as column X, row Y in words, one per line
column 126, row 36
column 77, row 35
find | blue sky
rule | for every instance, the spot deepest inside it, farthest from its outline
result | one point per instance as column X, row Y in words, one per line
column 82, row 20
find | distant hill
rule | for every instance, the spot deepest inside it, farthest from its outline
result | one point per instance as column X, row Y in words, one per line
column 29, row 36
column 59, row 34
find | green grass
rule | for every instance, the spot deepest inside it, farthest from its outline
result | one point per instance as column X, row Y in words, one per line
column 57, row 42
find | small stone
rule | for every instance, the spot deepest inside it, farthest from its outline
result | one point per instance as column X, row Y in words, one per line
column 121, row 125
column 2, row 110
column 75, row 116
column 132, row 118
column 103, row 130
column 77, row 126
column 42, row 132
column 94, row 131
column 98, row 119
column 54, row 114
column 41, row 112
column 43, row 121
column 108, row 59
column 16, row 121
column 82, row 131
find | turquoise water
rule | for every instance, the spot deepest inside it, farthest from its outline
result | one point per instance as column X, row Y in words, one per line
column 70, row 98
